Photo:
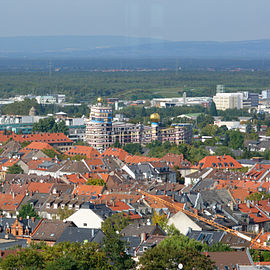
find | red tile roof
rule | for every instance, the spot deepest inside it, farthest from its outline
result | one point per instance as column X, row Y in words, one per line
column 257, row 215
column 33, row 164
column 126, row 157
column 8, row 163
column 116, row 152
column 139, row 159
column 76, row 178
column 96, row 165
column 177, row 160
column 37, row 146
column 257, row 172
column 118, row 206
column 131, row 215
column 51, row 138
column 88, row 190
column 104, row 176
column 4, row 138
column 87, row 151
column 17, row 189
column 240, row 194
column 37, row 187
column 218, row 162
column 10, row 202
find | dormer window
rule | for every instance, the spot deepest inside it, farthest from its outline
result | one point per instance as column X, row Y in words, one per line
column 62, row 205
column 70, row 206
column 55, row 205
column 77, row 207
column 48, row 205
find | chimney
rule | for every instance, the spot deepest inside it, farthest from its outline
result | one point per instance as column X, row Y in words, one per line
column 248, row 203
column 143, row 237
column 20, row 218
column 13, row 195
column 231, row 205
column 33, row 219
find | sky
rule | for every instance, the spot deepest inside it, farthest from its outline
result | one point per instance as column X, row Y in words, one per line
column 178, row 20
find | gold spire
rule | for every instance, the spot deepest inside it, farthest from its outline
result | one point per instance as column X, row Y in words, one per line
column 100, row 100
column 154, row 118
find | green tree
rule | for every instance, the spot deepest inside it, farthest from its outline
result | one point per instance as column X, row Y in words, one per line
column 179, row 178
column 258, row 196
column 27, row 259
column 112, row 245
column 27, row 210
column 161, row 220
column 133, row 148
column 224, row 150
column 175, row 250
column 64, row 256
column 15, row 169
column 249, row 128
column 236, row 139
column 64, row 213
column 117, row 144
column 49, row 125
column 95, row 182
column 62, row 128
column 213, row 109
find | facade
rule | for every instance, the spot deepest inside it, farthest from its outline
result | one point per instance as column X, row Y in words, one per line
column 99, row 126
column 226, row 101
column 250, row 99
column 182, row 101
column 101, row 133
column 266, row 94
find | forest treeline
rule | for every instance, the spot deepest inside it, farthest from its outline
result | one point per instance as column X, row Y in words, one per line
column 86, row 86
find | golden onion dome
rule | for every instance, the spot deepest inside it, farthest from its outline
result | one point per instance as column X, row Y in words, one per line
column 100, row 100
column 154, row 117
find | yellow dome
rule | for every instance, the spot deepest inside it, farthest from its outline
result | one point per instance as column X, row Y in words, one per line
column 154, row 117
column 99, row 100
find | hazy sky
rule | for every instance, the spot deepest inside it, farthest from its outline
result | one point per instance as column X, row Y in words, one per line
column 167, row 19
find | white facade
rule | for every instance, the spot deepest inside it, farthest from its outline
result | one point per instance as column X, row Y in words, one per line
column 187, row 101
column 183, row 223
column 86, row 218
column 231, row 125
column 266, row 94
column 226, row 101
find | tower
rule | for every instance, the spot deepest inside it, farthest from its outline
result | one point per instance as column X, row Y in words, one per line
column 184, row 98
column 32, row 111
column 220, row 88
column 155, row 119
column 99, row 126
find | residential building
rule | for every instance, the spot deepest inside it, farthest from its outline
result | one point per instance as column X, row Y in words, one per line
column 101, row 133
column 90, row 216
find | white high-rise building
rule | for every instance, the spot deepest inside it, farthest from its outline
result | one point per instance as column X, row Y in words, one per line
column 226, row 101
column 220, row 88
column 266, row 94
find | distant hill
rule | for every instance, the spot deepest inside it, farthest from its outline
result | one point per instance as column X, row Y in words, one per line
column 129, row 47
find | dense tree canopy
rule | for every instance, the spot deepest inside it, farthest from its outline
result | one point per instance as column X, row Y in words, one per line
column 28, row 211
column 15, row 169
column 62, row 256
column 175, row 250
column 49, row 125
column 113, row 245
